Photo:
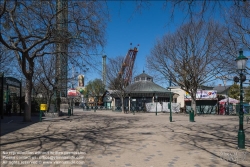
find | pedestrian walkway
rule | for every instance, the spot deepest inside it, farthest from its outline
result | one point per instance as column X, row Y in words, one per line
column 12, row 123
column 114, row 139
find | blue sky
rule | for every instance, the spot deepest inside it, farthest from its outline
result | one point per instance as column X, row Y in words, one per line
column 127, row 26
column 142, row 27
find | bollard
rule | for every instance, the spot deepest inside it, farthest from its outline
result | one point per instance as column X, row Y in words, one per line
column 69, row 111
column 43, row 107
column 191, row 116
column 40, row 116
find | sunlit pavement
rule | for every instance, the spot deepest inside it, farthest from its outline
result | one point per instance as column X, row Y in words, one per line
column 114, row 139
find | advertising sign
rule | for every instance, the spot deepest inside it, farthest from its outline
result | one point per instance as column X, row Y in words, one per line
column 81, row 80
column 203, row 94
column 73, row 92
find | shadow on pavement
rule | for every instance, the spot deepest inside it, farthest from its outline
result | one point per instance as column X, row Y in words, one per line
column 12, row 123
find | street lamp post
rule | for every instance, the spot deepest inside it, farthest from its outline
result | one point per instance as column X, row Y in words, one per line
column 241, row 65
column 95, row 100
column 170, row 100
column 156, row 97
column 132, row 104
column 227, row 104
column 72, row 106
column 1, row 94
column 170, row 107
column 143, row 105
column 87, row 102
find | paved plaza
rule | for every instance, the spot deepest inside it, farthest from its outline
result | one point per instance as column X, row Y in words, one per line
column 114, row 139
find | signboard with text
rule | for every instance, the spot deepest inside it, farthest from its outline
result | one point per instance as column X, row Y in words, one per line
column 203, row 94
column 73, row 93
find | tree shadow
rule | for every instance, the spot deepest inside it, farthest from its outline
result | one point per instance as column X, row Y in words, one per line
column 12, row 123
column 224, row 136
column 105, row 135
column 88, row 133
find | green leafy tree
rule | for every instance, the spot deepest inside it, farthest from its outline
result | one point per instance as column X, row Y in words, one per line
column 234, row 91
column 95, row 88
column 247, row 94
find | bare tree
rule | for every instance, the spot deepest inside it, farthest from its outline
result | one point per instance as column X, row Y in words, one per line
column 116, row 84
column 116, row 81
column 44, row 78
column 29, row 29
column 7, row 65
column 235, row 14
column 238, row 21
column 192, row 56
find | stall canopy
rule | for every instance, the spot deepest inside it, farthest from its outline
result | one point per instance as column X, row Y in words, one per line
column 231, row 100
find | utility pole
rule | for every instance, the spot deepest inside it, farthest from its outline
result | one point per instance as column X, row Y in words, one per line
column 104, row 70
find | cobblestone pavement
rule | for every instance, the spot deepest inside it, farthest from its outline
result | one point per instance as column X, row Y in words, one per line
column 114, row 139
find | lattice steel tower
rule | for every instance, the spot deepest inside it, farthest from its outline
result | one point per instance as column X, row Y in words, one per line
column 61, row 47
column 127, row 66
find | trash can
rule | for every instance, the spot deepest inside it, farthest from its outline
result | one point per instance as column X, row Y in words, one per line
column 191, row 116
column 69, row 111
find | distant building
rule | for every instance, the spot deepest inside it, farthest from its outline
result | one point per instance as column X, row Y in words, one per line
column 142, row 90
column 222, row 90
column 206, row 100
column 179, row 95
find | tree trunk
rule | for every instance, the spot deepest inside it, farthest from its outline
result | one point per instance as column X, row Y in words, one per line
column 49, row 101
column 122, row 100
column 193, row 106
column 27, row 111
column 58, row 102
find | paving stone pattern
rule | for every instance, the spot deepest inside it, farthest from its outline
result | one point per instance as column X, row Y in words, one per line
column 115, row 139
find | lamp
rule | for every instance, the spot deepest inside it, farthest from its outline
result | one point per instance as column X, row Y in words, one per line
column 170, row 101
column 95, row 100
column 241, row 65
column 143, row 100
column 241, row 61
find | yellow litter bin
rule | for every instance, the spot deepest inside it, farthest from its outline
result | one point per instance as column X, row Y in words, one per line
column 43, row 107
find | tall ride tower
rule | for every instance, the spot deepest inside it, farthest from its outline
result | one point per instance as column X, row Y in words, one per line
column 61, row 48
column 127, row 66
